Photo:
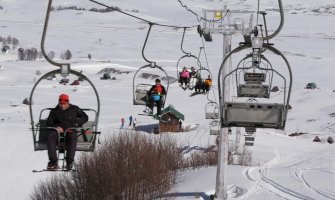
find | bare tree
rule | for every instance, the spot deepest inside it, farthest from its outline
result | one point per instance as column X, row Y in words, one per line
column 9, row 39
column 66, row 55
column 28, row 54
column 51, row 54
column 39, row 55
column 15, row 43
column 21, row 54
column 33, row 53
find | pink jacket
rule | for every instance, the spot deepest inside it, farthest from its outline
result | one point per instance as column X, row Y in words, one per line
column 185, row 74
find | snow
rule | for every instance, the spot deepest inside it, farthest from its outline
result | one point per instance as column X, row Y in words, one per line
column 283, row 167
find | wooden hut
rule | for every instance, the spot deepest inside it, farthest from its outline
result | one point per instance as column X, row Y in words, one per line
column 170, row 120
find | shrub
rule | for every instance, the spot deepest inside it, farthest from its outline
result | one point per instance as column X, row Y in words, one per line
column 127, row 166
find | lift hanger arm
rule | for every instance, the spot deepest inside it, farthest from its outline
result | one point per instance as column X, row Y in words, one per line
column 45, row 28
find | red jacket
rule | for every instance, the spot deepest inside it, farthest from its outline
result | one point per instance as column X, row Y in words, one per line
column 157, row 89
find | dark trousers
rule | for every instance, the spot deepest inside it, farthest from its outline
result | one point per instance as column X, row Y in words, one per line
column 198, row 87
column 158, row 104
column 184, row 80
column 70, row 145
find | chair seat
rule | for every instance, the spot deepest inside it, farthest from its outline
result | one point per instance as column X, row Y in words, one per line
column 212, row 115
column 238, row 114
column 81, row 146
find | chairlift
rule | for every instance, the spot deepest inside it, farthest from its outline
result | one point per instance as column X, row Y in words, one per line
column 249, row 137
column 191, row 80
column 214, row 127
column 180, row 68
column 141, row 90
column 249, row 140
column 87, row 134
column 254, row 76
column 203, row 73
column 212, row 110
column 254, row 114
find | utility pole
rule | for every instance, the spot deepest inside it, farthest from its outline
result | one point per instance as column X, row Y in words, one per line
column 227, row 32
column 221, row 187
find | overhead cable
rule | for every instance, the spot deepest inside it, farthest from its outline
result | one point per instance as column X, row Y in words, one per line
column 199, row 18
column 142, row 19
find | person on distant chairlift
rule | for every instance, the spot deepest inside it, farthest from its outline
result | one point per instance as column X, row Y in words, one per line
column 193, row 78
column 184, row 78
column 64, row 117
column 199, row 84
column 193, row 72
column 156, row 94
column 208, row 84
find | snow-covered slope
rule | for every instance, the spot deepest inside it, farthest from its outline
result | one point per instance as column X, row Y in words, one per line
column 285, row 167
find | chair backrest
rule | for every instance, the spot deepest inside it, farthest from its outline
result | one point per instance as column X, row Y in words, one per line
column 254, row 115
column 253, row 90
column 43, row 132
column 141, row 97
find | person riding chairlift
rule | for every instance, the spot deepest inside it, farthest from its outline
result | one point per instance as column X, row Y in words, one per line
column 64, row 118
column 207, row 84
column 193, row 78
column 156, row 94
column 184, row 77
column 199, row 84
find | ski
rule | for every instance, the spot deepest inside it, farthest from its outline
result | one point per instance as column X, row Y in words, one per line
column 145, row 114
column 53, row 170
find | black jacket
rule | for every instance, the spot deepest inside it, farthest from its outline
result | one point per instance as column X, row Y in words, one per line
column 69, row 118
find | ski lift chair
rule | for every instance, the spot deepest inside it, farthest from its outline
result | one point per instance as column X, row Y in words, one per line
column 212, row 110
column 186, row 55
column 86, row 135
column 86, row 142
column 249, row 140
column 254, row 77
column 254, row 114
column 249, row 137
column 214, row 127
column 179, row 68
column 141, row 90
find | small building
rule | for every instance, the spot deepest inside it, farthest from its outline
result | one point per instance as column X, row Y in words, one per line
column 311, row 85
column 170, row 120
column 5, row 49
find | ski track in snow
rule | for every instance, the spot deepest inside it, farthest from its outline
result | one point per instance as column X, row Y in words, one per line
column 295, row 171
column 318, row 191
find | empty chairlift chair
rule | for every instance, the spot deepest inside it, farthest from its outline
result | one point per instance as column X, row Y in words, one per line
column 254, row 114
column 256, row 84
column 214, row 127
column 212, row 110
column 249, row 137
